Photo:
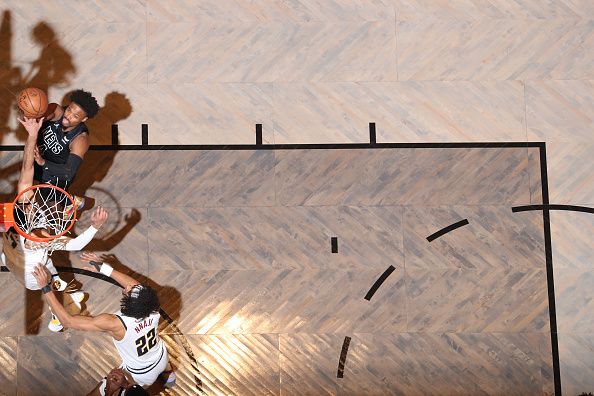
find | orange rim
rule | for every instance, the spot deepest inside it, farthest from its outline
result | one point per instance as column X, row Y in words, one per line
column 43, row 239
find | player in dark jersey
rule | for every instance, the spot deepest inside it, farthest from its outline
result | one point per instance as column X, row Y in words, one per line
column 118, row 382
column 63, row 139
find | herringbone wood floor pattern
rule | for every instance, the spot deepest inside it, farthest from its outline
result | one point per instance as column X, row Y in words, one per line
column 244, row 267
column 239, row 242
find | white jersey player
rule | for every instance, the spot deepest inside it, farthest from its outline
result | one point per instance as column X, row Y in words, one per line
column 133, row 328
column 143, row 354
column 21, row 255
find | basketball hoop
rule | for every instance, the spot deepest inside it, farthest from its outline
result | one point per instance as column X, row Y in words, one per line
column 40, row 213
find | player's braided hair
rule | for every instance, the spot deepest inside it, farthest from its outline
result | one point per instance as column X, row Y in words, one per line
column 85, row 100
column 140, row 302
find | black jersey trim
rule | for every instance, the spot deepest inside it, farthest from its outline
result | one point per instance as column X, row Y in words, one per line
column 145, row 370
column 122, row 320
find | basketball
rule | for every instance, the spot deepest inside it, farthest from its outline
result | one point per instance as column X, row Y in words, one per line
column 33, row 102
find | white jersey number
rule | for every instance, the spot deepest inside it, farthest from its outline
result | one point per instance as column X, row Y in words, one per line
column 146, row 342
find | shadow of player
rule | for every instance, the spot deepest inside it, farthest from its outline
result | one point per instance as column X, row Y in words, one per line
column 96, row 164
column 53, row 67
column 9, row 75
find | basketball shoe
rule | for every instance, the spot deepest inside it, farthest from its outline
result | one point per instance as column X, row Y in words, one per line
column 58, row 283
column 77, row 298
column 54, row 324
column 169, row 378
column 79, row 204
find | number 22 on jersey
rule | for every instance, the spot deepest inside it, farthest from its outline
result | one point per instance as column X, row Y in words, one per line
column 146, row 342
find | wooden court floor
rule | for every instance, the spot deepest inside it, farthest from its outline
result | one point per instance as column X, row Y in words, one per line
column 239, row 241
column 239, row 244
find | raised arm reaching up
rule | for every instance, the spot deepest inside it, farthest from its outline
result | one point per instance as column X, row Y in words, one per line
column 32, row 127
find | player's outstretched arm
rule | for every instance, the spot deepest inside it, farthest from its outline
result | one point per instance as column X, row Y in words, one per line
column 103, row 322
column 32, row 127
column 124, row 280
column 98, row 218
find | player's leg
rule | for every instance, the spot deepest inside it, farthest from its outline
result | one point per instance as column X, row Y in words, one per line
column 54, row 323
column 168, row 376
column 72, row 298
column 12, row 256
column 79, row 204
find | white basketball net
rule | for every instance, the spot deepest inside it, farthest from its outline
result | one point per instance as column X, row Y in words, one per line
column 46, row 209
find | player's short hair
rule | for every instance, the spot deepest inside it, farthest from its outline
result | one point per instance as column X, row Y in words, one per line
column 86, row 101
column 140, row 302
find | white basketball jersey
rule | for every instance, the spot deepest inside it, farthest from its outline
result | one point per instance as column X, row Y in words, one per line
column 141, row 348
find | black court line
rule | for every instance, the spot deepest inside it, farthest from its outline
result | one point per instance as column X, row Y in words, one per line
column 329, row 146
column 572, row 208
column 351, row 146
column 164, row 315
column 95, row 275
column 379, row 282
column 549, row 264
column 372, row 136
column 334, row 244
column 447, row 229
column 185, row 345
column 258, row 134
column 343, row 356
column 144, row 137
column 115, row 135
